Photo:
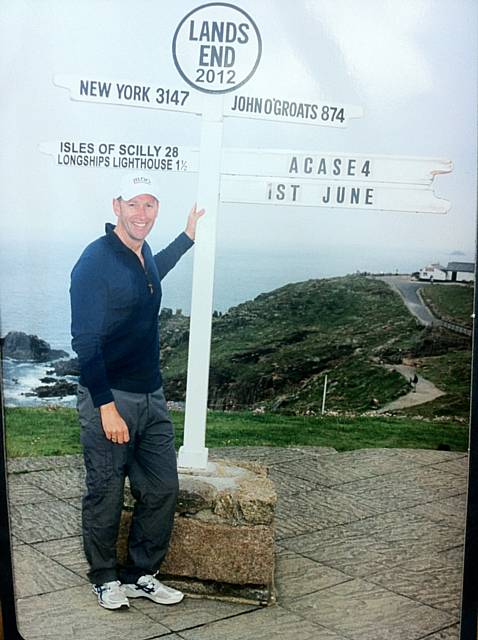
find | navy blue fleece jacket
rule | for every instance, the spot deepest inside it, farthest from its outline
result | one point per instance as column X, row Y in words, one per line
column 114, row 314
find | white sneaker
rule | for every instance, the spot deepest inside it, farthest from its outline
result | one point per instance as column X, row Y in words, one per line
column 149, row 587
column 111, row 595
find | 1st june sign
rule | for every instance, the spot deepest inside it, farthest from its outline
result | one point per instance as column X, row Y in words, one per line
column 332, row 194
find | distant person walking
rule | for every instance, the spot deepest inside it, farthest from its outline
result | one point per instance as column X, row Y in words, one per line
column 414, row 383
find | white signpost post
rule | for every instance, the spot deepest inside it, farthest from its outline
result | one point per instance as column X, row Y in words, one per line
column 216, row 49
column 193, row 453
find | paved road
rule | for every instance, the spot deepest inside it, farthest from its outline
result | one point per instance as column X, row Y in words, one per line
column 409, row 293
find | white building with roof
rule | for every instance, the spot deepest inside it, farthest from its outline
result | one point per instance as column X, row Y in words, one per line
column 433, row 273
column 460, row 271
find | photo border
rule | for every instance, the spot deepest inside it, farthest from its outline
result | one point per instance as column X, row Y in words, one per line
column 8, row 617
column 469, row 592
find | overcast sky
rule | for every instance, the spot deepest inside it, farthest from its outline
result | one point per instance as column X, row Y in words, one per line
column 410, row 65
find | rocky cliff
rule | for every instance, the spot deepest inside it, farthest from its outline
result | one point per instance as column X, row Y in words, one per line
column 23, row 347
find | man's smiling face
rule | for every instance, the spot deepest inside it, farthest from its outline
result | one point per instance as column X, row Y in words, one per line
column 136, row 218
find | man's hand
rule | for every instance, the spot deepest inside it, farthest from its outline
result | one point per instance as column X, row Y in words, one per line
column 193, row 218
column 114, row 426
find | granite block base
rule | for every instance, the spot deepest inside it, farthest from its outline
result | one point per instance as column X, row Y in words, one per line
column 222, row 544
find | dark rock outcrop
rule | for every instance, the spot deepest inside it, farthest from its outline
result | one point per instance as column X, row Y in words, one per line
column 69, row 367
column 21, row 346
column 60, row 389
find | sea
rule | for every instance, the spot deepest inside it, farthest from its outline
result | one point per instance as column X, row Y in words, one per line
column 34, row 291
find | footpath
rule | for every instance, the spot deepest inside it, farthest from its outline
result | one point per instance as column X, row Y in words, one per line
column 425, row 391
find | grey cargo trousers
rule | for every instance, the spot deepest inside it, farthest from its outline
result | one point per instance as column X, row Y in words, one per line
column 149, row 460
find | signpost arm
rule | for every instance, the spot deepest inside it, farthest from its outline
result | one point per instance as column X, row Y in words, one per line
column 193, row 453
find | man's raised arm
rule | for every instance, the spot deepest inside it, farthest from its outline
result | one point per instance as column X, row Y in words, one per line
column 168, row 257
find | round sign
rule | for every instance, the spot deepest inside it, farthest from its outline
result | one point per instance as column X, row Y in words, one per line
column 217, row 47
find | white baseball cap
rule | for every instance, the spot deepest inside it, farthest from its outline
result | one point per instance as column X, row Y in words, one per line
column 137, row 184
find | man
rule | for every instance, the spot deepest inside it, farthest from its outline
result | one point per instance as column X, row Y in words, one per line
column 125, row 425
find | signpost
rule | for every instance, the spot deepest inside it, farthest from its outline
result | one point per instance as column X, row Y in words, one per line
column 377, row 185
column 216, row 49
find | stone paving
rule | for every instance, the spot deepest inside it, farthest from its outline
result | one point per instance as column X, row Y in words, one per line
column 369, row 546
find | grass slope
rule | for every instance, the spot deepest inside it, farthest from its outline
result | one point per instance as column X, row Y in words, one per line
column 274, row 351
column 450, row 302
